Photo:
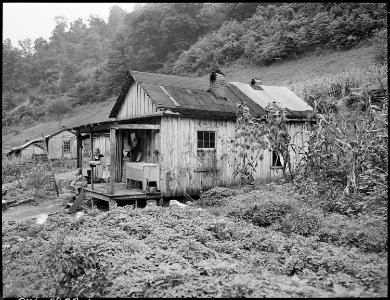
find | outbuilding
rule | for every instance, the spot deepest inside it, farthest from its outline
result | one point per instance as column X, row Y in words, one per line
column 30, row 150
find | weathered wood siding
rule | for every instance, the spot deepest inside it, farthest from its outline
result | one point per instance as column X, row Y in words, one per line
column 136, row 103
column 29, row 151
column 55, row 145
column 179, row 167
column 101, row 141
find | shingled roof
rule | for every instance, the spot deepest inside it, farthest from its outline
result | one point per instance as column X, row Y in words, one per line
column 191, row 96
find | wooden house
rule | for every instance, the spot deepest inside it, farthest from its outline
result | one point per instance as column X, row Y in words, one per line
column 61, row 144
column 171, row 132
column 30, row 150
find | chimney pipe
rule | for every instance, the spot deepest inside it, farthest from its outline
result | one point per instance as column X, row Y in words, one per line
column 255, row 84
column 217, row 83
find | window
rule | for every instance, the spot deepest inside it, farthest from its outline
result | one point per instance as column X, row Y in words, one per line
column 206, row 150
column 277, row 159
column 66, row 146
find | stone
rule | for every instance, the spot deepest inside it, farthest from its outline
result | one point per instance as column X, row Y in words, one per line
column 174, row 202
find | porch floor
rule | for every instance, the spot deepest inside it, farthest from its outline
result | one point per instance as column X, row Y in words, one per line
column 121, row 192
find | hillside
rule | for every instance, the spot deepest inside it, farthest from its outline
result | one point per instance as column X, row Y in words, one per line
column 286, row 73
column 310, row 66
column 90, row 113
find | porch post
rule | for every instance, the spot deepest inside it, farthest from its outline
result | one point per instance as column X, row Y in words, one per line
column 91, row 139
column 113, row 162
column 79, row 153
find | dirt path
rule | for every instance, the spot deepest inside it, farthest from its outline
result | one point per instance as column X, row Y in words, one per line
column 29, row 211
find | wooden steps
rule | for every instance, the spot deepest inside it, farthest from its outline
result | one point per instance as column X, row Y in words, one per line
column 73, row 206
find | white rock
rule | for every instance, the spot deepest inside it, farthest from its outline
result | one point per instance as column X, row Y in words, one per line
column 42, row 218
column 79, row 214
column 177, row 203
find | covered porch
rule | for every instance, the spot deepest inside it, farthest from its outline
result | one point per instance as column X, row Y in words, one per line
column 122, row 182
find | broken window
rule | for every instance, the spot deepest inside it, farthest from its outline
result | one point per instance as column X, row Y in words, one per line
column 206, row 151
column 277, row 159
column 66, row 146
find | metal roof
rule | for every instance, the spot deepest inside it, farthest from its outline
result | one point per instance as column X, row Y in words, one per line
column 171, row 80
column 25, row 145
column 269, row 94
column 191, row 96
column 57, row 132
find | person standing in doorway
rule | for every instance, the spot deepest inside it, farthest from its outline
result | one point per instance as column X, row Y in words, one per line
column 97, row 155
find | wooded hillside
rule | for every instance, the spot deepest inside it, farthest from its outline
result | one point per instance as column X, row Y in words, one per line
column 86, row 63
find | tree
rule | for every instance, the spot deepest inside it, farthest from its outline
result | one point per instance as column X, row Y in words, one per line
column 115, row 20
column 58, row 108
column 40, row 44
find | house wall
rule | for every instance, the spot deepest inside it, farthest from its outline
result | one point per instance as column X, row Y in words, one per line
column 136, row 103
column 27, row 153
column 179, row 166
column 55, row 145
column 102, row 142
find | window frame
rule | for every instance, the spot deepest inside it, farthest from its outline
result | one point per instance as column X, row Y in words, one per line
column 279, row 159
column 65, row 149
column 201, row 167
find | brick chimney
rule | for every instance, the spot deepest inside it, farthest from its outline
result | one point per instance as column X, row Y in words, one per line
column 256, row 84
column 217, row 83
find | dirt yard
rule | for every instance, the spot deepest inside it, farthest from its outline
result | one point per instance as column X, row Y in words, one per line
column 29, row 211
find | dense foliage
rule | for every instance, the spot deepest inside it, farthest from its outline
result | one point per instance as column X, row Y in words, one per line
column 199, row 252
column 284, row 31
column 83, row 63
column 346, row 163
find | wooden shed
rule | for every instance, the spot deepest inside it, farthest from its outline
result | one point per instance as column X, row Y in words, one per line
column 62, row 144
column 29, row 151
column 171, row 132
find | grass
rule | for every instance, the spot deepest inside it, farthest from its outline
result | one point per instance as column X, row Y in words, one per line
column 290, row 72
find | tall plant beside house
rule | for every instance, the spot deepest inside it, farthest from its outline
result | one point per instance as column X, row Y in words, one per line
column 346, row 164
column 254, row 135
column 248, row 143
column 278, row 135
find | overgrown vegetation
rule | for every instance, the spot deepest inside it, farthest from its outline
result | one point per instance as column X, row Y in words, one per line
column 253, row 135
column 160, row 252
column 23, row 180
column 346, row 165
column 281, row 31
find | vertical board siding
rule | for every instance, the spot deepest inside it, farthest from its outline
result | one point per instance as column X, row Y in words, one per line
column 28, row 152
column 178, row 155
column 102, row 142
column 136, row 103
column 55, row 144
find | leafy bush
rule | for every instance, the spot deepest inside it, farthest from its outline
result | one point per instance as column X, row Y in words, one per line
column 366, row 233
column 215, row 196
column 263, row 214
column 37, row 179
column 12, row 168
column 303, row 221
